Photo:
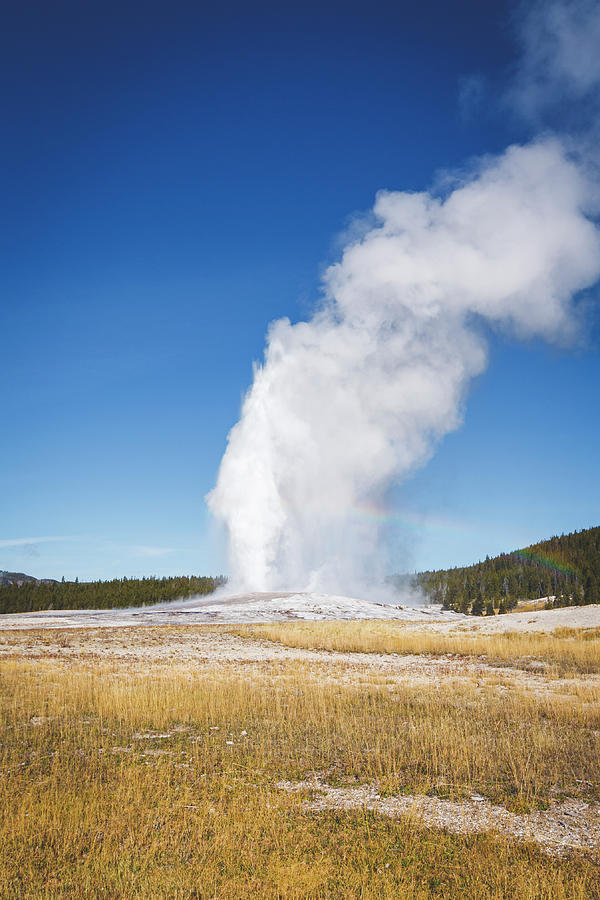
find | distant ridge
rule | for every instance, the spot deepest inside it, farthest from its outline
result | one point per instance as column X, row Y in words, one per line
column 565, row 568
column 20, row 578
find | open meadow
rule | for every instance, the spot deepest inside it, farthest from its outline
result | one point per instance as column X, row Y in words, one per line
column 301, row 760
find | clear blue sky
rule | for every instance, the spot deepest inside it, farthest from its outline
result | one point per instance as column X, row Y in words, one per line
column 175, row 177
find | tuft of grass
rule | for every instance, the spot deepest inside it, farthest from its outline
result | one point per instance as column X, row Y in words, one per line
column 566, row 649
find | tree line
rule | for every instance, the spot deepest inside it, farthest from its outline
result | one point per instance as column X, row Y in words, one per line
column 566, row 567
column 116, row 594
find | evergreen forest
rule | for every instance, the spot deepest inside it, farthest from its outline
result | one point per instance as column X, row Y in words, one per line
column 34, row 595
column 565, row 569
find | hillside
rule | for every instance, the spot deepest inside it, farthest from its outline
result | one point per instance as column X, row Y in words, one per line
column 20, row 578
column 566, row 568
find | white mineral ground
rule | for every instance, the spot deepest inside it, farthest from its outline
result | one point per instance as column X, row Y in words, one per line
column 233, row 609
column 303, row 605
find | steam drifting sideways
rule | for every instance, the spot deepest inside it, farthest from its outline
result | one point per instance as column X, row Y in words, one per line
column 351, row 402
column 357, row 397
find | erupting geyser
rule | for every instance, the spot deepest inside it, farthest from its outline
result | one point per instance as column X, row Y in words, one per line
column 351, row 401
column 357, row 397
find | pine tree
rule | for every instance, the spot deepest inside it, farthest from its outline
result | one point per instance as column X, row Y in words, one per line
column 477, row 608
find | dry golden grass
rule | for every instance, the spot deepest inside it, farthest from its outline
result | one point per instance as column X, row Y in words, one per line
column 529, row 606
column 566, row 649
column 162, row 783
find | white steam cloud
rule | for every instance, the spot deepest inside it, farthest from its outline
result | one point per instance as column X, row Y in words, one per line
column 352, row 401
column 560, row 59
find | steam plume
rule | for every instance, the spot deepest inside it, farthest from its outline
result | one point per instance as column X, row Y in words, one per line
column 559, row 60
column 355, row 399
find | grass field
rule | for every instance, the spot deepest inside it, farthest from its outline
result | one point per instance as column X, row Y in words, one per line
column 565, row 649
column 160, row 779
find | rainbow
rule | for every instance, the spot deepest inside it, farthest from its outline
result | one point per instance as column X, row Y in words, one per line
column 547, row 562
column 373, row 511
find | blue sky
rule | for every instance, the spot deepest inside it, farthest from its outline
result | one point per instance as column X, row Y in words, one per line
column 175, row 177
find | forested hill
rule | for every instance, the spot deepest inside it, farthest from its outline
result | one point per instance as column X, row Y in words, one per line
column 34, row 594
column 565, row 567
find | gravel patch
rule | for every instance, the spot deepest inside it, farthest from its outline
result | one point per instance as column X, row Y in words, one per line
column 572, row 825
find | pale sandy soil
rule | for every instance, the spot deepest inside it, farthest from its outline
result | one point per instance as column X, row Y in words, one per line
column 541, row 620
